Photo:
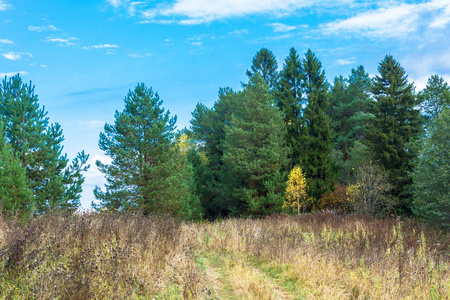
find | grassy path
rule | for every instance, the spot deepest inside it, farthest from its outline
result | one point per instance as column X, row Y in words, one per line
column 233, row 276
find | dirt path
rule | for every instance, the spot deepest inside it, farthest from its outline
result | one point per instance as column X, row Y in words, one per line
column 231, row 276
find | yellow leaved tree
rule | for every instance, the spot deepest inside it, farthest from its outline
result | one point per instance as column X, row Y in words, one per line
column 296, row 196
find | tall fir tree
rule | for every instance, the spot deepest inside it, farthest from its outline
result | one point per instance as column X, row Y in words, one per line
column 37, row 145
column 208, row 128
column 349, row 105
column 147, row 171
column 15, row 194
column 316, row 161
column 396, row 122
column 265, row 64
column 255, row 151
column 290, row 102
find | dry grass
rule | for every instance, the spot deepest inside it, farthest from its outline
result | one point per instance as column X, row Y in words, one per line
column 318, row 256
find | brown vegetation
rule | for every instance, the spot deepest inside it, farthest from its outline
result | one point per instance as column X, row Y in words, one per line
column 315, row 256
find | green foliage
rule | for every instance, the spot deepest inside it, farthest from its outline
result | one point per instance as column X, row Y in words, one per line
column 15, row 194
column 349, row 101
column 316, row 161
column 148, row 171
column 397, row 121
column 435, row 97
column 431, row 175
column 208, row 129
column 37, row 145
column 289, row 100
column 265, row 64
column 255, row 151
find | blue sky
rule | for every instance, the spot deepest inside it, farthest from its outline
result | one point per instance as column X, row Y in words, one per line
column 83, row 56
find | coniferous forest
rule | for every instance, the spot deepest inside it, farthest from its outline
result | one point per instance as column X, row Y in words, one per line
column 365, row 145
column 290, row 148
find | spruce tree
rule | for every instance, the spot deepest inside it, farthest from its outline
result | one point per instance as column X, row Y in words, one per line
column 289, row 100
column 15, row 194
column 349, row 104
column 37, row 145
column 208, row 129
column 265, row 64
column 316, row 161
column 431, row 175
column 396, row 122
column 147, row 171
column 255, row 151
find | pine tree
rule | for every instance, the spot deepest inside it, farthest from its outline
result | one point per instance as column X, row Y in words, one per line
column 316, row 161
column 255, row 151
column 265, row 64
column 396, row 122
column 15, row 194
column 37, row 145
column 147, row 170
column 289, row 101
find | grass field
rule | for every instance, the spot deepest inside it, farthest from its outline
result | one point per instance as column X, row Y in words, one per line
column 316, row 256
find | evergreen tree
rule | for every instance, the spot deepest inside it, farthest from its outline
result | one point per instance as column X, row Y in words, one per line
column 208, row 128
column 147, row 170
column 37, row 145
column 396, row 122
column 316, row 162
column 265, row 64
column 290, row 102
column 435, row 97
column 349, row 104
column 255, row 151
column 15, row 194
column 431, row 174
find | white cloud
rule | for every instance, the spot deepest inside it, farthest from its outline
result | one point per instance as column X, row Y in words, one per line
column 93, row 171
column 42, row 28
column 15, row 55
column 62, row 41
column 44, row 66
column 190, row 12
column 280, row 27
column 139, row 55
column 6, row 41
column 343, row 62
column 395, row 20
column 10, row 74
column 238, row 32
column 4, row 6
column 104, row 46
column 196, row 43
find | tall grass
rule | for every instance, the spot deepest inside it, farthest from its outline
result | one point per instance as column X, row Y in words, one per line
column 317, row 256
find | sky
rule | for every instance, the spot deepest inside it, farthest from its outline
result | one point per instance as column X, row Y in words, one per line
column 84, row 56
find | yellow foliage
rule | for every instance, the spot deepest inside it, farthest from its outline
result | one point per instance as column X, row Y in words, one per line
column 296, row 196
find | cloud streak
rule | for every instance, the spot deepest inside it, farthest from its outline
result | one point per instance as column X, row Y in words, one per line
column 62, row 41
column 15, row 55
column 280, row 27
column 394, row 21
column 42, row 28
column 4, row 6
column 6, row 41
column 191, row 12
column 10, row 74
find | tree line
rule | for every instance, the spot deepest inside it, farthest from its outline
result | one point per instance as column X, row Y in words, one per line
column 288, row 141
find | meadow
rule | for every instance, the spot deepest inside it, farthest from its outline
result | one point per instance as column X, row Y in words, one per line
column 315, row 256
